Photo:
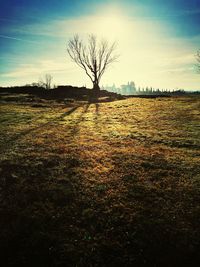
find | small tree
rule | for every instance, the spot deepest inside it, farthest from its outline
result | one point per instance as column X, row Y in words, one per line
column 93, row 57
column 198, row 59
column 46, row 82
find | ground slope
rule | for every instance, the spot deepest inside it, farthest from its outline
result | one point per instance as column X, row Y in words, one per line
column 106, row 184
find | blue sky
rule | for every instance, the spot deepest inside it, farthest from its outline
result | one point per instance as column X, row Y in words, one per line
column 157, row 40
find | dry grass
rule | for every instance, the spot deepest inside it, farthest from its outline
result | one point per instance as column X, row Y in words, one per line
column 107, row 184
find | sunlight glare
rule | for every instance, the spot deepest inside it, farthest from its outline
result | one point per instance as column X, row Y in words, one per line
column 112, row 23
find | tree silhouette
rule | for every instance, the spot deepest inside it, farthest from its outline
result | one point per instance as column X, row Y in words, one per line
column 198, row 59
column 92, row 56
column 46, row 82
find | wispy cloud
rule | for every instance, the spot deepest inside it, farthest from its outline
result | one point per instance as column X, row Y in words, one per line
column 17, row 39
column 38, row 67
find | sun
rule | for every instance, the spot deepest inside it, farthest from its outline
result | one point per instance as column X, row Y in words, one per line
column 112, row 23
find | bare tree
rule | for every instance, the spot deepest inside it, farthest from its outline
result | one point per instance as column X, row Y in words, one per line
column 198, row 59
column 93, row 56
column 46, row 82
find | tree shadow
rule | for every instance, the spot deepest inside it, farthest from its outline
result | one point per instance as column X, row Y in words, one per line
column 80, row 119
column 97, row 120
column 97, row 109
column 10, row 142
column 65, row 114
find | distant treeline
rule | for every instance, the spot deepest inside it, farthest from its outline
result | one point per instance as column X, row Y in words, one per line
column 130, row 89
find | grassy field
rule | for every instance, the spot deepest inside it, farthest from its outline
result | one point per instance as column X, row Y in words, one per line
column 105, row 184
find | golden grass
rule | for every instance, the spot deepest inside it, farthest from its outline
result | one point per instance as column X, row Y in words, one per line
column 101, row 184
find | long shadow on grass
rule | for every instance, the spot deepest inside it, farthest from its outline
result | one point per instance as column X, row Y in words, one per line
column 68, row 112
column 96, row 117
column 75, row 129
column 97, row 109
column 12, row 140
column 16, row 137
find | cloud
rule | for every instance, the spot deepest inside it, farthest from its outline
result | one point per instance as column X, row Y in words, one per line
column 16, row 39
column 38, row 67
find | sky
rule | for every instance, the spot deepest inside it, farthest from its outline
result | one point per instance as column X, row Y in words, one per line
column 157, row 41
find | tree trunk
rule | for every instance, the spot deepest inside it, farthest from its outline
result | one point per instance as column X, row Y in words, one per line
column 96, row 86
column 95, row 93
